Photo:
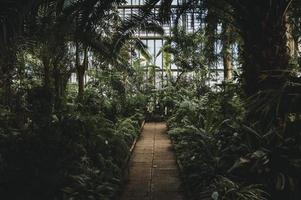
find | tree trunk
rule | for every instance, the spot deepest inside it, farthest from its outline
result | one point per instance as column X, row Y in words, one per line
column 79, row 73
column 7, row 65
column 227, row 57
column 291, row 41
column 57, row 87
column 210, row 34
column 81, row 69
column 266, row 59
column 47, row 79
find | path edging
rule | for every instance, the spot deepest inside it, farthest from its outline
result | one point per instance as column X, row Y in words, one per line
column 180, row 166
column 125, row 167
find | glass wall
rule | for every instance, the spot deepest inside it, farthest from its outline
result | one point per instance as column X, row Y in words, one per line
column 191, row 21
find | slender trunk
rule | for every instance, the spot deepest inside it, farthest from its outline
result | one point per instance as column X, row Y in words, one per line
column 227, row 57
column 20, row 107
column 57, row 87
column 7, row 92
column 47, row 79
column 7, row 64
column 81, row 69
column 79, row 74
column 291, row 41
column 7, row 82
column 210, row 34
column 227, row 66
column 64, row 83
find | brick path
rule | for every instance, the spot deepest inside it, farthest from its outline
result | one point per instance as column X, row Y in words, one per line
column 153, row 170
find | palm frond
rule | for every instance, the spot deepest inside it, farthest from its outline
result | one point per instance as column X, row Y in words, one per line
column 142, row 48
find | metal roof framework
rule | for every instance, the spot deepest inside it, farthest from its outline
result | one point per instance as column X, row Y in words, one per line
column 190, row 21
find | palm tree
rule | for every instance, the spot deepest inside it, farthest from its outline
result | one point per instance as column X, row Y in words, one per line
column 227, row 51
column 50, row 27
column 261, row 25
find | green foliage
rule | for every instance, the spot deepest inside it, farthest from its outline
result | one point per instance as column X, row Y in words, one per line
column 79, row 154
column 228, row 190
column 186, row 49
column 223, row 156
column 54, row 145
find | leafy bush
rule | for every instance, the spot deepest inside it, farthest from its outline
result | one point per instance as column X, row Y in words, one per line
column 79, row 154
column 223, row 156
column 226, row 189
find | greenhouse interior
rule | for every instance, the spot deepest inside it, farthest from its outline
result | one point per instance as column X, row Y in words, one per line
column 150, row 99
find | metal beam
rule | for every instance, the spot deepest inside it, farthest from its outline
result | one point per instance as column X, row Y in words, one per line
column 127, row 6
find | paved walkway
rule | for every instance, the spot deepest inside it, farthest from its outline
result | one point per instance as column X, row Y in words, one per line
column 153, row 170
